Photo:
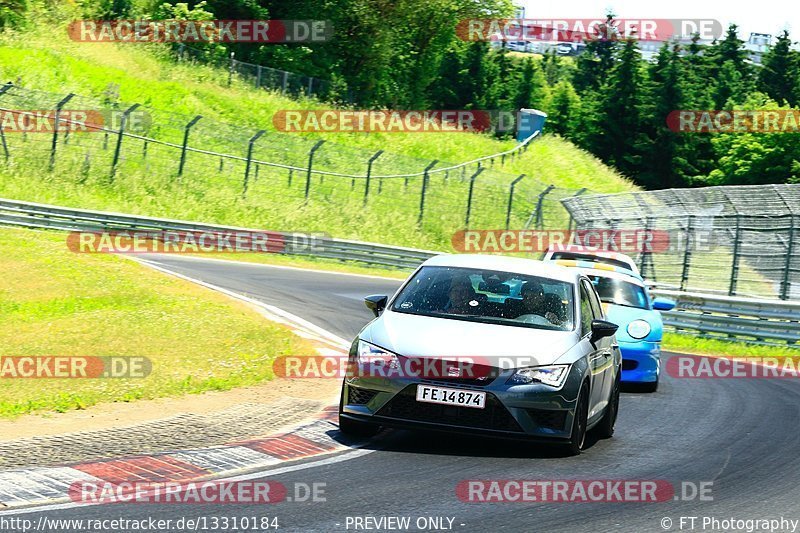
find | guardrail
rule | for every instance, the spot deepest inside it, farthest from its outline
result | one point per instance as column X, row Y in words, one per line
column 757, row 321
column 32, row 215
column 753, row 320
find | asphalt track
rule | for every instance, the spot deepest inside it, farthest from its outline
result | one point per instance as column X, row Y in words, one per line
column 741, row 434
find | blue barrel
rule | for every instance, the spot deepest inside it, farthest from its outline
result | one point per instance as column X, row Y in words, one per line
column 529, row 122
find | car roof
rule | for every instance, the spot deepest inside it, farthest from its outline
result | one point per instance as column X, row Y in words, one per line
column 575, row 248
column 612, row 274
column 516, row 265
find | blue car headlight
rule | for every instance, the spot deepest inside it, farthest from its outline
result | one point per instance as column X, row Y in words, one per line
column 639, row 329
column 552, row 375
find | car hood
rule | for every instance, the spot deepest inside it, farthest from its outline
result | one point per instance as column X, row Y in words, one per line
column 622, row 316
column 442, row 338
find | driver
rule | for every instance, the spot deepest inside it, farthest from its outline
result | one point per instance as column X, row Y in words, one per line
column 534, row 302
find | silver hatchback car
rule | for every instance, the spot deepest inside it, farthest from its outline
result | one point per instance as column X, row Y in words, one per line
column 490, row 345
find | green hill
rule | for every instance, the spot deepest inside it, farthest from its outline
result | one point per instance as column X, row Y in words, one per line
column 210, row 189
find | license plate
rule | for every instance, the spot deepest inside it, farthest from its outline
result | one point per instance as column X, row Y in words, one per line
column 459, row 397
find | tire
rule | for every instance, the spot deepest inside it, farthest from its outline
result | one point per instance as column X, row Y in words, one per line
column 355, row 428
column 605, row 429
column 578, row 435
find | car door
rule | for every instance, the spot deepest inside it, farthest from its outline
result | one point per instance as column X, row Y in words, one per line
column 596, row 357
column 605, row 347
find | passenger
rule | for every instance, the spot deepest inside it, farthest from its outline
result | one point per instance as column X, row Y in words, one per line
column 554, row 309
column 532, row 298
column 461, row 294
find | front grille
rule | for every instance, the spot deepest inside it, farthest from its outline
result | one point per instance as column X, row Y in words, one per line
column 494, row 415
column 548, row 419
column 476, row 375
column 360, row 396
column 629, row 364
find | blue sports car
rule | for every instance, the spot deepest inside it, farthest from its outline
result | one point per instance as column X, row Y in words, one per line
column 627, row 303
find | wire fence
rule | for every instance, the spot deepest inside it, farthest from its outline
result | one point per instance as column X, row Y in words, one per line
column 201, row 157
column 735, row 240
column 263, row 77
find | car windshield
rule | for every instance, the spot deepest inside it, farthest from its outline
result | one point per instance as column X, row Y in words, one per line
column 488, row 296
column 619, row 292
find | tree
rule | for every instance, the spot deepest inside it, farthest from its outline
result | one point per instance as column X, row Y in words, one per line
column 531, row 89
column 597, row 59
column 618, row 116
column 663, row 149
column 563, row 109
column 780, row 73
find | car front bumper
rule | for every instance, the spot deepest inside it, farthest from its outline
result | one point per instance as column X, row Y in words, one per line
column 531, row 412
column 641, row 361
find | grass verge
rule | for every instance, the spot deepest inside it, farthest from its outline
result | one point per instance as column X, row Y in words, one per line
column 688, row 344
column 54, row 302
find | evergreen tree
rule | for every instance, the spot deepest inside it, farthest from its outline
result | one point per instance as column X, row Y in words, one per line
column 778, row 77
column 618, row 118
column 664, row 150
column 563, row 109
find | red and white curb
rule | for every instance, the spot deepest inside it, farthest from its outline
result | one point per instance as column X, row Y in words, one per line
column 39, row 486
column 30, row 487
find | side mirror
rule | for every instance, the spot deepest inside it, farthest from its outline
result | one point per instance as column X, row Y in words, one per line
column 663, row 304
column 376, row 303
column 602, row 329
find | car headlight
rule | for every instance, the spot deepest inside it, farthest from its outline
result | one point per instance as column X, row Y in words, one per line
column 369, row 354
column 639, row 329
column 553, row 375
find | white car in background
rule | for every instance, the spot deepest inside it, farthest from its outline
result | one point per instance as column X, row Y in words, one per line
column 576, row 252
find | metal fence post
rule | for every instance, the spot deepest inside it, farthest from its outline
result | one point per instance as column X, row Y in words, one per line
column 425, row 178
column 687, row 253
column 3, row 90
column 537, row 216
column 59, row 107
column 511, row 198
column 736, row 255
column 469, row 196
column 372, row 159
column 258, row 76
column 186, row 142
column 310, row 164
column 787, row 271
column 120, row 135
column 250, row 144
column 230, row 69
column 644, row 253
column 571, row 219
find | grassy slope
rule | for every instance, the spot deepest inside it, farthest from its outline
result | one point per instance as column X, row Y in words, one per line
column 50, row 62
column 55, row 302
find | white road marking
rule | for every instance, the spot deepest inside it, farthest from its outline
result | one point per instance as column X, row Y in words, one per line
column 244, row 477
column 266, row 265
